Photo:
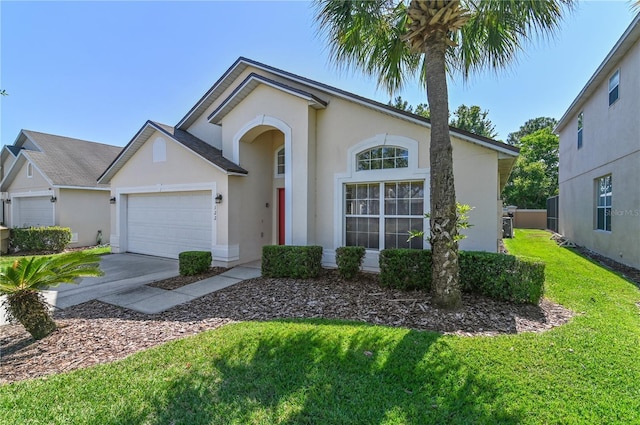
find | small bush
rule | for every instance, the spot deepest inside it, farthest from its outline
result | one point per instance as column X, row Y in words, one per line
column 405, row 268
column 291, row 261
column 194, row 262
column 39, row 239
column 499, row 276
column 349, row 260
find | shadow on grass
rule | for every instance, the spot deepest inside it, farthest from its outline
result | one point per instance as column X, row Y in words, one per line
column 309, row 373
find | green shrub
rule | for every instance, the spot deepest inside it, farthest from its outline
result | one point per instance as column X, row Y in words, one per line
column 405, row 268
column 194, row 262
column 39, row 239
column 499, row 276
column 349, row 260
column 291, row 261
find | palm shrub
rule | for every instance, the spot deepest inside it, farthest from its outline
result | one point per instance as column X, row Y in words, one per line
column 23, row 281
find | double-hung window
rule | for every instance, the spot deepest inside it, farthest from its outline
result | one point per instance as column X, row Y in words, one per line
column 380, row 215
column 580, row 119
column 603, row 203
column 614, row 87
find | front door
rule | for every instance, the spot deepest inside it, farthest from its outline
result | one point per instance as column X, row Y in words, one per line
column 281, row 216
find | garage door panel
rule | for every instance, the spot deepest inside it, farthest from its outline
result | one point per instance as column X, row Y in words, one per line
column 34, row 211
column 169, row 223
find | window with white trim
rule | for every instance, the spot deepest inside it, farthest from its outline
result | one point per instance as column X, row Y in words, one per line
column 159, row 150
column 29, row 170
column 603, row 203
column 280, row 162
column 614, row 87
column 580, row 120
column 380, row 215
column 383, row 157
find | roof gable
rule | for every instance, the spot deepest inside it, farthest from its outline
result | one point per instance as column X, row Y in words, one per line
column 63, row 161
column 184, row 138
column 240, row 65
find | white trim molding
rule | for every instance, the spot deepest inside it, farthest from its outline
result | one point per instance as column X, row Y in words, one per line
column 412, row 172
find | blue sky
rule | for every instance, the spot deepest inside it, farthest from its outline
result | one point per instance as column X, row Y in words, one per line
column 99, row 70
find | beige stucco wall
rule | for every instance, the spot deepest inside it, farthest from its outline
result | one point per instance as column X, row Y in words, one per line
column 85, row 212
column 611, row 145
column 22, row 184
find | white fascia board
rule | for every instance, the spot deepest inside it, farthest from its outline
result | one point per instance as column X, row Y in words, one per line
column 107, row 189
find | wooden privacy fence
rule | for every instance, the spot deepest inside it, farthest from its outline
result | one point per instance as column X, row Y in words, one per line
column 530, row 219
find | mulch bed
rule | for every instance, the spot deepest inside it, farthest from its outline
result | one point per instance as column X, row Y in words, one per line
column 95, row 332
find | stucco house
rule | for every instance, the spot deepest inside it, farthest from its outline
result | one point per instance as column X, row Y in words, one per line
column 599, row 170
column 48, row 180
column 269, row 157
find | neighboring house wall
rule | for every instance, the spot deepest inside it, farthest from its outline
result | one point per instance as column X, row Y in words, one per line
column 85, row 212
column 610, row 146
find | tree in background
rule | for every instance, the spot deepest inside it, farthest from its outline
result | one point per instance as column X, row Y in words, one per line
column 422, row 109
column 534, row 178
column 531, row 126
column 398, row 40
column 474, row 120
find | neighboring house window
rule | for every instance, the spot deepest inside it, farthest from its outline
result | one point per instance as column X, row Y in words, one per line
column 603, row 203
column 614, row 87
column 29, row 170
column 280, row 162
column 383, row 157
column 159, row 150
column 380, row 215
column 580, row 118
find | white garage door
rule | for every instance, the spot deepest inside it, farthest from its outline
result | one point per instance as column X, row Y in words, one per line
column 33, row 211
column 166, row 224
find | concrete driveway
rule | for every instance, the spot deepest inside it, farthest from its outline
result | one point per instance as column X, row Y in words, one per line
column 121, row 272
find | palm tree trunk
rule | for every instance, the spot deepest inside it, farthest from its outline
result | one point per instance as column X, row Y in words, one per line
column 30, row 309
column 444, row 270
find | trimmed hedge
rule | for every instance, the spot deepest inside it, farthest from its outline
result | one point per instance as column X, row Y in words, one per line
column 499, row 276
column 39, row 239
column 291, row 261
column 194, row 262
column 349, row 260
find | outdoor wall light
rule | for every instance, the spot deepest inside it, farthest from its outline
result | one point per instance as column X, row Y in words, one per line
column 8, row 201
column 218, row 198
column 53, row 199
column 112, row 200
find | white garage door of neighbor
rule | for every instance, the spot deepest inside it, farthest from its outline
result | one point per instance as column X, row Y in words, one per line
column 33, row 211
column 166, row 224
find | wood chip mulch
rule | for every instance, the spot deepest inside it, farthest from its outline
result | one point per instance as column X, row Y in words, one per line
column 95, row 332
column 180, row 281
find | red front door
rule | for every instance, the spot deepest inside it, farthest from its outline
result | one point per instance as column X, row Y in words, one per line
column 281, row 216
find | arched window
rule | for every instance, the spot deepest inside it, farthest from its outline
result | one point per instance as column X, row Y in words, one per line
column 29, row 170
column 280, row 169
column 382, row 158
column 159, row 150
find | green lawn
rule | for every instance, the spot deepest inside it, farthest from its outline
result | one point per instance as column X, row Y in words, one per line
column 328, row 372
column 101, row 250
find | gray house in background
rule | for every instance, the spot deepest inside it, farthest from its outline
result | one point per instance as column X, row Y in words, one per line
column 599, row 171
column 48, row 180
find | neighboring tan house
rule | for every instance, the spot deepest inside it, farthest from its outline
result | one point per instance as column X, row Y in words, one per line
column 600, row 157
column 48, row 180
column 268, row 157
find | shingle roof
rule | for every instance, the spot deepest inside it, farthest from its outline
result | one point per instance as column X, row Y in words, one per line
column 70, row 162
column 201, row 147
column 15, row 150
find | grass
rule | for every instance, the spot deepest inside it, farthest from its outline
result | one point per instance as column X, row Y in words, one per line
column 5, row 260
column 330, row 372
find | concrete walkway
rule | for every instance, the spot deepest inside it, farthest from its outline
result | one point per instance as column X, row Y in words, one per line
column 146, row 299
column 124, row 284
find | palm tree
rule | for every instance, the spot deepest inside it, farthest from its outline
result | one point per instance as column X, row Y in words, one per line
column 23, row 281
column 394, row 40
